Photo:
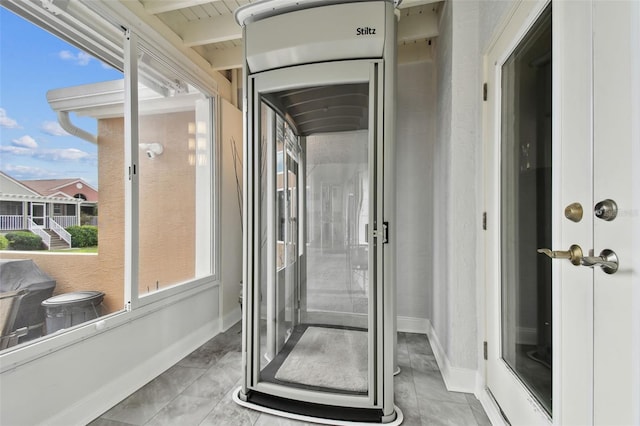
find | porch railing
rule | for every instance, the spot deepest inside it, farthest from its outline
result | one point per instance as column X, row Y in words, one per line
column 39, row 230
column 62, row 233
column 65, row 221
column 11, row 222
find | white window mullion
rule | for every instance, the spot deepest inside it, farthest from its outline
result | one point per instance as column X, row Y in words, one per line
column 131, row 202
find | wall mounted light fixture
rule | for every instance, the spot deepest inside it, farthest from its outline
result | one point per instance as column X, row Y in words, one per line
column 152, row 149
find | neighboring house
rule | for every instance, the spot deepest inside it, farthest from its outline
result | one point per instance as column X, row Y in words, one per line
column 74, row 187
column 22, row 207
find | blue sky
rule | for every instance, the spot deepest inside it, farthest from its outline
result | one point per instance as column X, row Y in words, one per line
column 32, row 143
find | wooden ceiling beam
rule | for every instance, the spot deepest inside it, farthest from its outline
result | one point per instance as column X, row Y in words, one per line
column 154, row 7
column 211, row 30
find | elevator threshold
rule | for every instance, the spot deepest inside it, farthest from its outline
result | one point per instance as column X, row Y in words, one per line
column 315, row 413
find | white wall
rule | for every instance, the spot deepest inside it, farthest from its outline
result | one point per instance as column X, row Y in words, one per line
column 441, row 180
column 230, row 217
column 414, row 170
column 456, row 307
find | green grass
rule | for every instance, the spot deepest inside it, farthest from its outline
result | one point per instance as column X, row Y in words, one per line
column 93, row 249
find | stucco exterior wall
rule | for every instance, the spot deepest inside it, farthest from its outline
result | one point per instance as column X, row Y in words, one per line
column 90, row 193
column 167, row 202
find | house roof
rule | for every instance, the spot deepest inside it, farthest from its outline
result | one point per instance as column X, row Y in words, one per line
column 9, row 185
column 48, row 186
column 54, row 187
column 14, row 190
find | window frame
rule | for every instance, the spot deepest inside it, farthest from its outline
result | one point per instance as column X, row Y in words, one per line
column 95, row 30
column 133, row 298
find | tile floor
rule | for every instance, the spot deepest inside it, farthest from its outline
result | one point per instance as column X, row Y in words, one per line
column 197, row 391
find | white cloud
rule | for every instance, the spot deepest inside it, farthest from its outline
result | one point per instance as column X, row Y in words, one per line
column 58, row 154
column 7, row 122
column 16, row 150
column 68, row 154
column 53, row 128
column 80, row 58
column 25, row 141
column 28, row 172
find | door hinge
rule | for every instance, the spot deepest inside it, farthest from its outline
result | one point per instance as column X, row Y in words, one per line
column 485, row 351
column 484, row 221
column 485, row 89
column 383, row 233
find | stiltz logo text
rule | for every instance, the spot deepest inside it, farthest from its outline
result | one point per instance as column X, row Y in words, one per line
column 365, row 31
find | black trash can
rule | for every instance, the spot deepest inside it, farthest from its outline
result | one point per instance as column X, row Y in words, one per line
column 69, row 309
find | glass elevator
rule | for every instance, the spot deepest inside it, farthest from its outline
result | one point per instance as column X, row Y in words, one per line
column 319, row 297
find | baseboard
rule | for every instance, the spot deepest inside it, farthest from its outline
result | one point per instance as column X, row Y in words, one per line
column 231, row 318
column 456, row 379
column 107, row 395
column 413, row 325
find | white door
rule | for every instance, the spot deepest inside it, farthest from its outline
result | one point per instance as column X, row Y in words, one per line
column 38, row 213
column 558, row 141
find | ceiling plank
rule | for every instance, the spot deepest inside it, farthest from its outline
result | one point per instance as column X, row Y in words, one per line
column 154, row 7
column 419, row 51
column 211, row 30
column 225, row 59
column 418, row 27
column 411, row 3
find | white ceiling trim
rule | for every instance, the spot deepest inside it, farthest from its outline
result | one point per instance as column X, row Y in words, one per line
column 208, row 31
column 154, row 6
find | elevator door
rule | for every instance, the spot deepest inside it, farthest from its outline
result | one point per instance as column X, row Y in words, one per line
column 314, row 320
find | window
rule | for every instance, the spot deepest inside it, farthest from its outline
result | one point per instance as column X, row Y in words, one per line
column 156, row 228
column 174, row 177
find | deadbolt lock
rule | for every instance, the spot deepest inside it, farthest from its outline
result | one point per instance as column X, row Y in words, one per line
column 573, row 212
column 606, row 210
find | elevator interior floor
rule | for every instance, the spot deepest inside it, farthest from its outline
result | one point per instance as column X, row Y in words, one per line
column 321, row 358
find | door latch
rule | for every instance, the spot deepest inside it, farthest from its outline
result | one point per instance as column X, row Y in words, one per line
column 382, row 233
column 608, row 261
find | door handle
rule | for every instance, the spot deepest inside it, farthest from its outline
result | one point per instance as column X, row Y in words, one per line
column 608, row 261
column 574, row 254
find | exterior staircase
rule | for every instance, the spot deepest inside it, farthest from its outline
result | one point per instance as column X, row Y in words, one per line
column 57, row 243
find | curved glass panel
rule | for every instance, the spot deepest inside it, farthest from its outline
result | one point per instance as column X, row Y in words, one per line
column 314, row 303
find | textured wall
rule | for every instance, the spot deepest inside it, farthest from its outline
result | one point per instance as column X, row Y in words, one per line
column 439, row 305
column 111, row 210
column 413, row 231
column 466, row 28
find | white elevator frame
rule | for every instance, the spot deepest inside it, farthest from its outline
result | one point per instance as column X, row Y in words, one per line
column 379, row 73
